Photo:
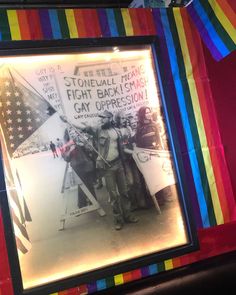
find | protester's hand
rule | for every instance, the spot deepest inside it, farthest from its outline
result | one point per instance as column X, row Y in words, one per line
column 128, row 151
column 64, row 118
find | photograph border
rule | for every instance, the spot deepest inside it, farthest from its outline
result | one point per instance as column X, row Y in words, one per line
column 77, row 45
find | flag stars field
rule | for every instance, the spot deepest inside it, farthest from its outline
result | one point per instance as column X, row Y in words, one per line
column 24, row 111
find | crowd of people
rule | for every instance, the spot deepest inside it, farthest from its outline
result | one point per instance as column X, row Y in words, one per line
column 105, row 152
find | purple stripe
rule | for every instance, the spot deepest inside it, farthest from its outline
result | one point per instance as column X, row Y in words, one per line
column 204, row 33
column 172, row 96
column 102, row 16
column 92, row 287
column 145, row 271
column 45, row 24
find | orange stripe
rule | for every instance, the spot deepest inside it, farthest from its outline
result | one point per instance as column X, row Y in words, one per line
column 228, row 11
column 176, row 262
column 127, row 277
column 210, row 123
column 24, row 25
column 79, row 20
column 135, row 22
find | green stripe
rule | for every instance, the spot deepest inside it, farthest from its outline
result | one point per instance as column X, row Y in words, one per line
column 119, row 22
column 63, row 24
column 229, row 43
column 160, row 266
column 4, row 25
column 166, row 85
column 110, row 282
column 191, row 117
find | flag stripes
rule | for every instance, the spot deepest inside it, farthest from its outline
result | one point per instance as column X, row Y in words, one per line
column 22, row 113
column 215, row 21
column 23, row 243
column 185, row 82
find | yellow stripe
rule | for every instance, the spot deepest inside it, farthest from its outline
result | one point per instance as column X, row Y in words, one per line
column 14, row 25
column 118, row 279
column 71, row 23
column 198, row 118
column 168, row 264
column 223, row 19
column 127, row 22
column 54, row 294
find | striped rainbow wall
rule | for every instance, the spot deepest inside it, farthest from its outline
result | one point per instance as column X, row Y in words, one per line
column 184, row 80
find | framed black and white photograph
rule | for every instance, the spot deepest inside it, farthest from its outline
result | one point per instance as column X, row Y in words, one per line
column 92, row 185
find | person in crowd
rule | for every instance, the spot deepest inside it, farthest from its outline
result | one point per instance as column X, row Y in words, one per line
column 133, row 176
column 161, row 126
column 53, row 149
column 109, row 161
column 148, row 136
column 107, row 142
column 59, row 144
column 81, row 158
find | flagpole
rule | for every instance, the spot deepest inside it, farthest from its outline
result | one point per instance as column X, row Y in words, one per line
column 70, row 124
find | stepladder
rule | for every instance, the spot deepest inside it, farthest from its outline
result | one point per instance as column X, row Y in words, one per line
column 71, row 183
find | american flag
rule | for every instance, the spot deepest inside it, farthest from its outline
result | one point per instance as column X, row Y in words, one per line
column 22, row 112
column 19, row 210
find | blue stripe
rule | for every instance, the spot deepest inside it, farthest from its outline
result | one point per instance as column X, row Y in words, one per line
column 101, row 284
column 153, row 269
column 210, row 28
column 56, row 31
column 112, row 23
column 185, row 120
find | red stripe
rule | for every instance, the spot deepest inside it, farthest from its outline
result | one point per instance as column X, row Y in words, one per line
column 228, row 11
column 23, row 24
column 97, row 28
column 82, row 289
column 213, row 241
column 142, row 21
column 150, row 22
column 136, row 274
column 208, row 115
column 135, row 21
column 34, row 24
column 232, row 4
column 73, row 291
column 90, row 22
column 80, row 23
column 4, row 264
column 6, row 288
